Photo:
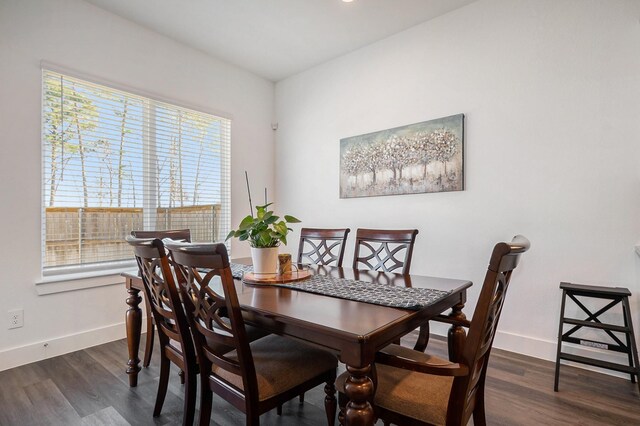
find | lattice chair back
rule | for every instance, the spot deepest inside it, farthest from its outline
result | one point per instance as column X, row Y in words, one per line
column 384, row 250
column 322, row 246
column 504, row 259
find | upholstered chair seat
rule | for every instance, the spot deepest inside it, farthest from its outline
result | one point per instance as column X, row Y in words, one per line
column 281, row 364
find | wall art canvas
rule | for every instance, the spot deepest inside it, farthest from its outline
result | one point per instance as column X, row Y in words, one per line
column 417, row 158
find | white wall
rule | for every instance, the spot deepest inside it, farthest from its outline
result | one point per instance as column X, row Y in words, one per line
column 551, row 94
column 89, row 40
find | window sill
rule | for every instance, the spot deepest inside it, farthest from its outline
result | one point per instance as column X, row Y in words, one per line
column 80, row 281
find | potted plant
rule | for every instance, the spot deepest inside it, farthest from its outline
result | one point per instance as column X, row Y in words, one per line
column 265, row 232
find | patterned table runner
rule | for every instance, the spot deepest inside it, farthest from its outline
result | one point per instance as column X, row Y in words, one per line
column 361, row 291
column 238, row 270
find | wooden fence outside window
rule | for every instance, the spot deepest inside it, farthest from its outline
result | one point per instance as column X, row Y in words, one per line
column 77, row 235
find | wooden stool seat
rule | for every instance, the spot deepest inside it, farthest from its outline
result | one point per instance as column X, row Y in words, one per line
column 594, row 290
column 617, row 296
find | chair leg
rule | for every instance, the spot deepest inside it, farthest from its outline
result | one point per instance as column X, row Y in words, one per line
column 479, row 418
column 279, row 410
column 165, row 368
column 301, row 397
column 181, row 374
column 253, row 419
column 423, row 338
column 342, row 403
column 189, row 399
column 206, row 397
column 148, row 347
column 330, row 402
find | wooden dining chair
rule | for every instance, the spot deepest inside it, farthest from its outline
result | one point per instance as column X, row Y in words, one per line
column 256, row 376
column 414, row 388
column 322, row 246
column 388, row 251
column 384, row 250
column 176, row 345
column 173, row 234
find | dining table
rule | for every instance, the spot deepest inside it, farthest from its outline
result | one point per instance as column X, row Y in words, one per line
column 354, row 330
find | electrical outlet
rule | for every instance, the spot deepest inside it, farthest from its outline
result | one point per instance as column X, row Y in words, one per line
column 16, row 318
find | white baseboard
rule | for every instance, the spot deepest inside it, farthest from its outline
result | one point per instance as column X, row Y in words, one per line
column 15, row 357
column 546, row 349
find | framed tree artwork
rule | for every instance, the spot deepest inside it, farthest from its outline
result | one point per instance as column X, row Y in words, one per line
column 416, row 158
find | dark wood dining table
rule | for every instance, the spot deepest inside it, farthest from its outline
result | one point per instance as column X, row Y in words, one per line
column 353, row 330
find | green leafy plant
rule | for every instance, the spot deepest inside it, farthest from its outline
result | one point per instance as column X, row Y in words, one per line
column 265, row 229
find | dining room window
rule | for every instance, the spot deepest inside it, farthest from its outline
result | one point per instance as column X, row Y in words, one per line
column 115, row 161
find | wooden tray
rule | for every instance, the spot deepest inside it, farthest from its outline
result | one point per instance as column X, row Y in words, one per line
column 251, row 278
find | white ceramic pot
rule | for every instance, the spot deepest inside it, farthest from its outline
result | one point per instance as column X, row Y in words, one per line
column 265, row 260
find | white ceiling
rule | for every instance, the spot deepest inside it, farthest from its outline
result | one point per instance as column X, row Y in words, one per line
column 278, row 38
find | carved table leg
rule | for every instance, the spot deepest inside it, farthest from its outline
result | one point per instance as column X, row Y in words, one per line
column 359, row 390
column 134, row 325
column 457, row 334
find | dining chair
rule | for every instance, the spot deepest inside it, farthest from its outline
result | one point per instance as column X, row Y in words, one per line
column 176, row 344
column 388, row 251
column 173, row 234
column 323, row 246
column 256, row 376
column 384, row 250
column 414, row 388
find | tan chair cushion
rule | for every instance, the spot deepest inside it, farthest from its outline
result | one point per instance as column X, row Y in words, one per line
column 281, row 364
column 420, row 396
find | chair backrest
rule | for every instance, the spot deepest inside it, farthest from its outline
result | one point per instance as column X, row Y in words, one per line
column 213, row 311
column 384, row 250
column 162, row 294
column 504, row 259
column 323, row 246
column 172, row 234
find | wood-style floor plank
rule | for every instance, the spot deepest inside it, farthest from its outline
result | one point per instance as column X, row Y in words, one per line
column 50, row 405
column 105, row 417
column 90, row 387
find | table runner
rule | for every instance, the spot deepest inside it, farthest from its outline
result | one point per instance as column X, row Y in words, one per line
column 413, row 298
column 238, row 270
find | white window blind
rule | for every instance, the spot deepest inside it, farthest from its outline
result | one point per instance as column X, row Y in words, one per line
column 114, row 162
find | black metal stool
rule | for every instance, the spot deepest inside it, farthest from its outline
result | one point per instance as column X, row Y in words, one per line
column 617, row 295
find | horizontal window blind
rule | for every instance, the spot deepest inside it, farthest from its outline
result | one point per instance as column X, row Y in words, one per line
column 114, row 162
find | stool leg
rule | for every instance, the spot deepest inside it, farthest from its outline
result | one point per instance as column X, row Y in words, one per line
column 625, row 313
column 559, row 349
column 632, row 337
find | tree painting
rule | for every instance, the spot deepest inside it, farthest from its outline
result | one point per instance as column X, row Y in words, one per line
column 417, row 158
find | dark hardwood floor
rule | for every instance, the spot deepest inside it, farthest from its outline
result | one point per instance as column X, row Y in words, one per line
column 90, row 387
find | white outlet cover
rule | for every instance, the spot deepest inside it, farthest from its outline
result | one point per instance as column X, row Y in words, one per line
column 16, row 318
